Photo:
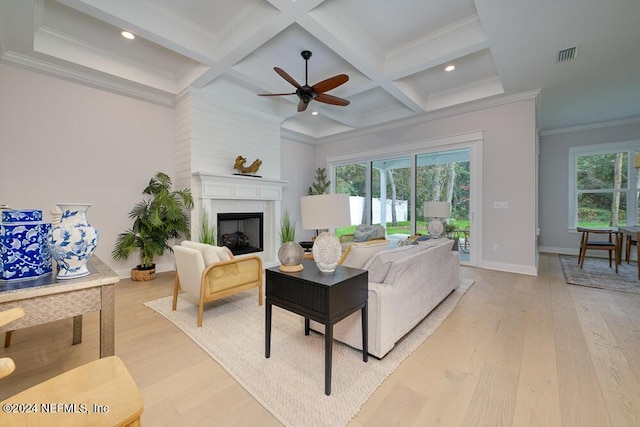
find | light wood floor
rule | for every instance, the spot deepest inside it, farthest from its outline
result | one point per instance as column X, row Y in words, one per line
column 516, row 351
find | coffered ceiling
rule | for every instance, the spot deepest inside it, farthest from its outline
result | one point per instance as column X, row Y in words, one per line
column 394, row 53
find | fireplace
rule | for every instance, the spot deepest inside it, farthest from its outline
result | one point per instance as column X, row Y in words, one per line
column 242, row 233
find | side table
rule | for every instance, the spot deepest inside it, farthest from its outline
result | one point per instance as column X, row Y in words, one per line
column 326, row 298
column 47, row 299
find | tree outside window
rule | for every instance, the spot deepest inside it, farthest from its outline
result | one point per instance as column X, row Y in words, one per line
column 604, row 185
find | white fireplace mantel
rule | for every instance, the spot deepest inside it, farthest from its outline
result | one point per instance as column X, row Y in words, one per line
column 238, row 193
column 238, row 187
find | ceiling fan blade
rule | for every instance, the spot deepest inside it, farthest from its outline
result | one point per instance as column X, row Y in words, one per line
column 287, row 77
column 330, row 99
column 275, row 94
column 302, row 106
column 330, row 83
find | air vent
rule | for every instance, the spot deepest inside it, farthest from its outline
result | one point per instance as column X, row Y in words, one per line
column 568, row 54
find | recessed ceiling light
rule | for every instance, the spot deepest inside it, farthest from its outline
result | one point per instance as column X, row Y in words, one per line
column 127, row 35
column 314, row 113
column 450, row 68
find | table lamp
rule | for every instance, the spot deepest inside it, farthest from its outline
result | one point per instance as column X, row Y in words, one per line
column 436, row 211
column 325, row 211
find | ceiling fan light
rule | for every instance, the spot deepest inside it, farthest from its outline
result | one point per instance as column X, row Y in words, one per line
column 127, row 35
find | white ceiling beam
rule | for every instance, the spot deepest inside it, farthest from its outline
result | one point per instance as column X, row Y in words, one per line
column 75, row 51
column 467, row 93
column 452, row 42
column 153, row 24
column 234, row 50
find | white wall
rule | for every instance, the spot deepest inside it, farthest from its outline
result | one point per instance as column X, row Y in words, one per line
column 508, row 174
column 125, row 141
column 298, row 169
column 212, row 131
column 221, row 130
column 63, row 142
column 555, row 236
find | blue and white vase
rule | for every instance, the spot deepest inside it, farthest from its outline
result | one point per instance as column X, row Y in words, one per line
column 72, row 241
column 24, row 253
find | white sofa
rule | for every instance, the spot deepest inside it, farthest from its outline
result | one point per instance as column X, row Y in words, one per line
column 405, row 284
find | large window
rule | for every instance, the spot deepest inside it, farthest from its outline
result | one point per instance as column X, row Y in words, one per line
column 389, row 186
column 383, row 191
column 604, row 185
column 391, row 195
column 444, row 176
column 352, row 179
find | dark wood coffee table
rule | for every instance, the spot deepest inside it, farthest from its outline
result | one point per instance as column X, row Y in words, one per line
column 326, row 298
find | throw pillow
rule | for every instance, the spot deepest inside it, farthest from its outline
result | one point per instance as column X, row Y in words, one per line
column 210, row 253
column 365, row 232
column 358, row 254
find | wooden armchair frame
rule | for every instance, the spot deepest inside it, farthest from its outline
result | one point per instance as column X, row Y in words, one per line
column 219, row 279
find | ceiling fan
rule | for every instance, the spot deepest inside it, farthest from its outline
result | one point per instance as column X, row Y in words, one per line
column 308, row 93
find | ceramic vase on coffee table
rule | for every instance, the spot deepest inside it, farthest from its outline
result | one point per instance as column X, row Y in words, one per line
column 72, row 241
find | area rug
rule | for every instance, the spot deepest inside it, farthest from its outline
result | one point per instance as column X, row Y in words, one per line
column 290, row 384
column 597, row 274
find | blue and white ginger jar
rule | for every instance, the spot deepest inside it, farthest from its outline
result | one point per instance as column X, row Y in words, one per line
column 72, row 241
column 24, row 253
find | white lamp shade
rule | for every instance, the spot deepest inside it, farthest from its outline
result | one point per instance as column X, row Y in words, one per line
column 325, row 211
column 437, row 209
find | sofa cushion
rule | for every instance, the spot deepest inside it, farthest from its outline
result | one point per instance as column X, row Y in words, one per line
column 358, row 254
column 364, row 233
column 210, row 253
column 429, row 242
column 378, row 266
column 437, row 248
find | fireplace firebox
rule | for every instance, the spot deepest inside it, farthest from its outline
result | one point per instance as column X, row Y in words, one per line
column 242, row 233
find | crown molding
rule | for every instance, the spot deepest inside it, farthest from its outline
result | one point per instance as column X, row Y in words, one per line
column 81, row 77
column 297, row 136
column 440, row 114
column 591, row 126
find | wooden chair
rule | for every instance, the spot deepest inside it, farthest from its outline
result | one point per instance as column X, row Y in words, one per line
column 205, row 272
column 6, row 364
column 630, row 242
column 98, row 393
column 611, row 244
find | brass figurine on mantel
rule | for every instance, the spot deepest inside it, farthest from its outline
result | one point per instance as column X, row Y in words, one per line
column 244, row 170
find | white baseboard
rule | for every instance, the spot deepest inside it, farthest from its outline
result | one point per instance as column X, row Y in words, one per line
column 510, row 268
column 554, row 250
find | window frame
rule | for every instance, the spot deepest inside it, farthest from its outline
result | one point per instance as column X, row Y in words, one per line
column 631, row 148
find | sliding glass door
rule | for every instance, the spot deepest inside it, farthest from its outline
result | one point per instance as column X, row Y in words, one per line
column 391, row 196
column 445, row 176
column 392, row 191
column 353, row 179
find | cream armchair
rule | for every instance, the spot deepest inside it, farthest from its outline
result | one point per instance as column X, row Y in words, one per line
column 210, row 273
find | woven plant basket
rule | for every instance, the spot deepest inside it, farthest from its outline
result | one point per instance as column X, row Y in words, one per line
column 138, row 275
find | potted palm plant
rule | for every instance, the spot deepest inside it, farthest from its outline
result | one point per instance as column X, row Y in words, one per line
column 160, row 217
